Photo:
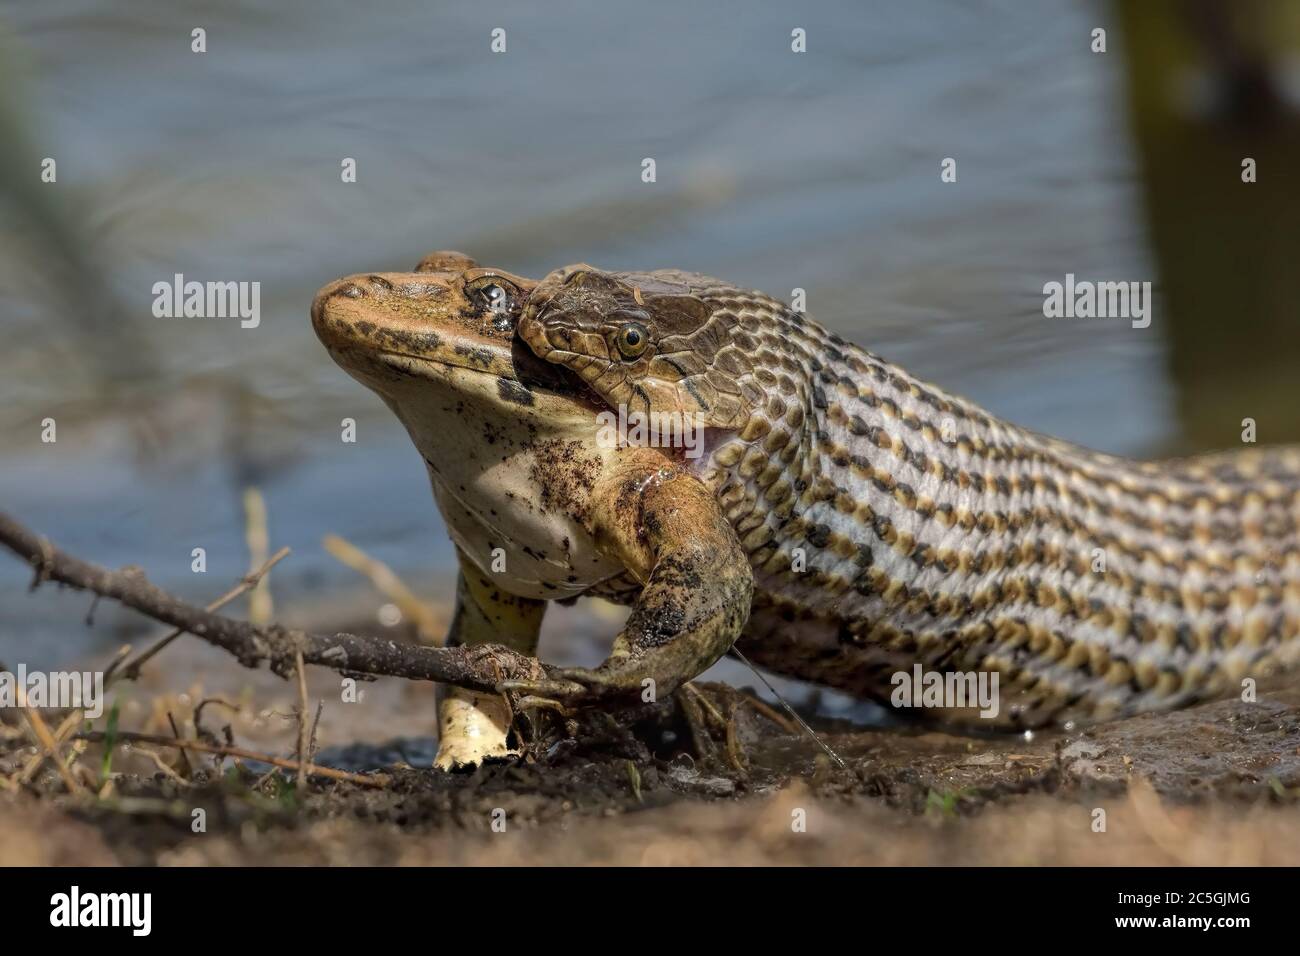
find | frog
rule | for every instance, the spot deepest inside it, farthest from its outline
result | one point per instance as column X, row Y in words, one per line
column 540, row 505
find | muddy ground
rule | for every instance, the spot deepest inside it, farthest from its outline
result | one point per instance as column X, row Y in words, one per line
column 1215, row 784
column 1218, row 783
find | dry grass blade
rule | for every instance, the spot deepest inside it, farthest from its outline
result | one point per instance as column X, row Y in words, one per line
column 260, row 608
column 41, row 732
column 118, row 671
column 431, row 627
column 131, row 671
column 304, row 744
column 227, row 750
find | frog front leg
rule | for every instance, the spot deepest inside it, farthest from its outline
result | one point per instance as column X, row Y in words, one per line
column 473, row 726
column 670, row 532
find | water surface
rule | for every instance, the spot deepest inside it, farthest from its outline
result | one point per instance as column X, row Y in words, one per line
column 775, row 170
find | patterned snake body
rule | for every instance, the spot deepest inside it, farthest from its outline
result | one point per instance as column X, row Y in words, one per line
column 890, row 523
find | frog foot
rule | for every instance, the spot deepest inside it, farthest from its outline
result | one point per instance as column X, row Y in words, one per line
column 612, row 683
column 472, row 727
column 558, row 691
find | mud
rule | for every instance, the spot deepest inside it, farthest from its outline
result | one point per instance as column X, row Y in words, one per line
column 1214, row 784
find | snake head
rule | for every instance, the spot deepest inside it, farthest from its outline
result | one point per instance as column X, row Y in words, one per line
column 651, row 341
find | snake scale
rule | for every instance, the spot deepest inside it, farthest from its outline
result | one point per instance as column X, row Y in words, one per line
column 889, row 522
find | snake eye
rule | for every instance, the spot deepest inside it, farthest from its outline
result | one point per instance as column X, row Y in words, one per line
column 632, row 339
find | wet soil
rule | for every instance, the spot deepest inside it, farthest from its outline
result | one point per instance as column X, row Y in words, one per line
column 1214, row 784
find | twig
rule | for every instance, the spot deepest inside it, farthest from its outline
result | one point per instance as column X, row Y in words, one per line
column 177, row 734
column 707, row 705
column 118, row 660
column 227, row 750
column 73, row 717
column 162, row 765
column 34, row 765
column 688, row 700
column 430, row 627
column 303, row 744
column 41, row 732
column 728, row 727
column 734, row 749
column 766, row 709
column 249, row 581
column 802, row 723
column 311, row 744
column 197, row 716
column 478, row 667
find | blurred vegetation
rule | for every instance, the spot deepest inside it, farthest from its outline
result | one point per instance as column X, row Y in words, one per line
column 56, row 241
column 1212, row 83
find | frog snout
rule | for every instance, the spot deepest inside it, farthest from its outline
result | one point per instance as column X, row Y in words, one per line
column 348, row 288
column 414, row 287
column 351, row 287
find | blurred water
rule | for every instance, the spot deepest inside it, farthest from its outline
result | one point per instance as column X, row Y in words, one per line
column 775, row 170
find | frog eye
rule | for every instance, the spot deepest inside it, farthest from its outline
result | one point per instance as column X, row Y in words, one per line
column 493, row 293
column 632, row 339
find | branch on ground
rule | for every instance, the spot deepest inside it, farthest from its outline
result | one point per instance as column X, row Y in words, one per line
column 478, row 668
